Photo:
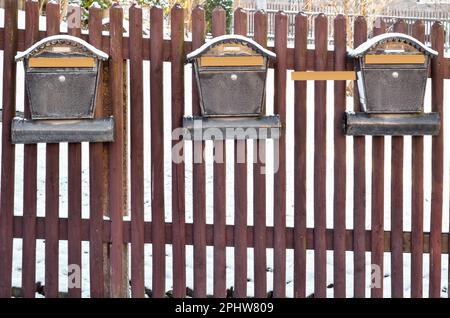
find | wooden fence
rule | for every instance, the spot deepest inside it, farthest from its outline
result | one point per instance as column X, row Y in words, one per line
column 390, row 16
column 116, row 232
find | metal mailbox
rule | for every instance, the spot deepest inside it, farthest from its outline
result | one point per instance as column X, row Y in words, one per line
column 231, row 72
column 61, row 76
column 392, row 72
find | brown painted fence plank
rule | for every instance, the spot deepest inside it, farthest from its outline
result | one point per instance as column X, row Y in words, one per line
column 240, row 191
column 259, row 186
column 30, row 176
column 359, row 184
column 178, row 183
column 8, row 149
column 52, row 189
column 320, row 100
column 417, row 199
column 137, row 153
column 97, row 190
column 340, row 38
column 300, row 105
column 279, row 202
column 218, row 28
column 437, row 159
column 377, row 237
column 74, row 179
column 116, row 193
column 157, row 152
column 396, row 206
column 377, row 213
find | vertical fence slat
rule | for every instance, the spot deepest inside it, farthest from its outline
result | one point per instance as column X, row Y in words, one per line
column 29, row 175
column 218, row 28
column 157, row 152
column 378, row 196
column 8, row 149
column 116, row 164
column 396, row 206
column 240, row 191
column 279, row 202
column 74, row 177
column 340, row 54
column 97, row 189
column 137, row 152
column 359, row 184
column 199, row 185
column 377, row 213
column 417, row 198
column 52, row 188
column 437, row 159
column 320, row 100
column 300, row 106
column 178, row 184
column 259, row 185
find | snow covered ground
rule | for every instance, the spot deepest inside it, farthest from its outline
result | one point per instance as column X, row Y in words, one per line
column 16, row 275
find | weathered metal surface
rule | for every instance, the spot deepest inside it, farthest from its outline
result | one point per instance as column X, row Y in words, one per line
column 391, row 89
column 25, row 131
column 228, row 88
column 231, row 91
column 202, row 128
column 61, row 94
column 360, row 124
column 392, row 73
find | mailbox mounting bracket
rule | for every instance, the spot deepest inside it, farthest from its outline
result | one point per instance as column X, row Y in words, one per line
column 26, row 131
column 420, row 124
column 239, row 128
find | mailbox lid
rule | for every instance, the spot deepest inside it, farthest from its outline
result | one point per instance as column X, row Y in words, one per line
column 231, row 51
column 385, row 44
column 58, row 45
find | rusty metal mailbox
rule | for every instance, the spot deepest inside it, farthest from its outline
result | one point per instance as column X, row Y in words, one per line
column 392, row 72
column 231, row 73
column 61, row 76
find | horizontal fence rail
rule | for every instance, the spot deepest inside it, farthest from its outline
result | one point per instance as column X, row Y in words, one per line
column 203, row 186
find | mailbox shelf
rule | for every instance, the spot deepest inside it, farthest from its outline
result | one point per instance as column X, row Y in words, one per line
column 26, row 131
column 361, row 124
column 204, row 128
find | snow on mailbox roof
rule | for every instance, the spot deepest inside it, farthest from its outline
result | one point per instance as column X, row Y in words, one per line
column 63, row 39
column 399, row 37
column 227, row 38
